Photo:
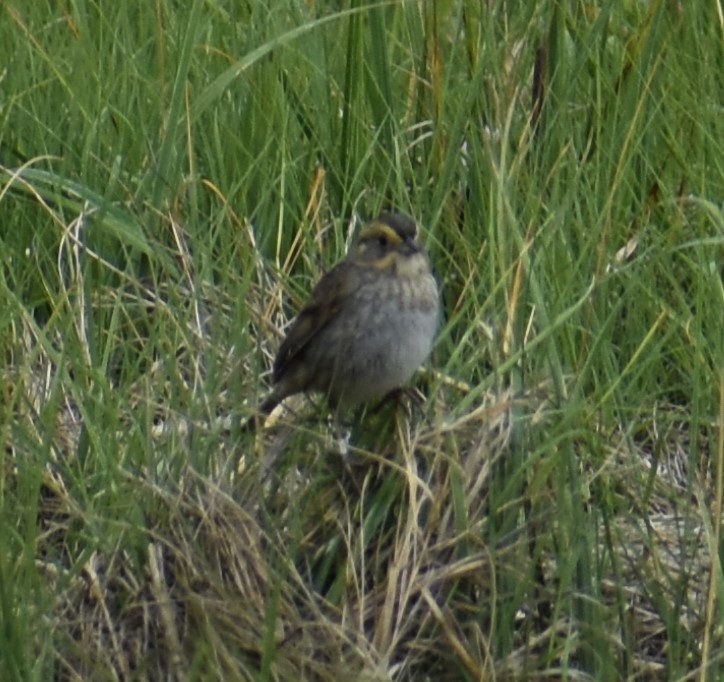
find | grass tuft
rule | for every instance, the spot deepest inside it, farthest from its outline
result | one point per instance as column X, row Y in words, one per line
column 173, row 180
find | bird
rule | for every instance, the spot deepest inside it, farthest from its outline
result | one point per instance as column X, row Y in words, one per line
column 368, row 324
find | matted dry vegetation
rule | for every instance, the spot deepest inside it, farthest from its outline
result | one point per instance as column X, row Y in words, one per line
column 372, row 565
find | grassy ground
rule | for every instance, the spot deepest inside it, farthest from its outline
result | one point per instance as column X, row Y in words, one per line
column 173, row 179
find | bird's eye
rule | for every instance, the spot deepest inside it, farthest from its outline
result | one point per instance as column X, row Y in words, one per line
column 382, row 240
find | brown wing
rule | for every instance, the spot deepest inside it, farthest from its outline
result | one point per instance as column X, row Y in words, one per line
column 325, row 302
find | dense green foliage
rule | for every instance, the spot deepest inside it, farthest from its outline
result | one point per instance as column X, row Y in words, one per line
column 168, row 170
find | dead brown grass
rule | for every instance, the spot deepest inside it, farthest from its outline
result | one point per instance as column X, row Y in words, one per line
column 310, row 565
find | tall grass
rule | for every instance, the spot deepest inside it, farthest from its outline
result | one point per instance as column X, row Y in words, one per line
column 175, row 177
